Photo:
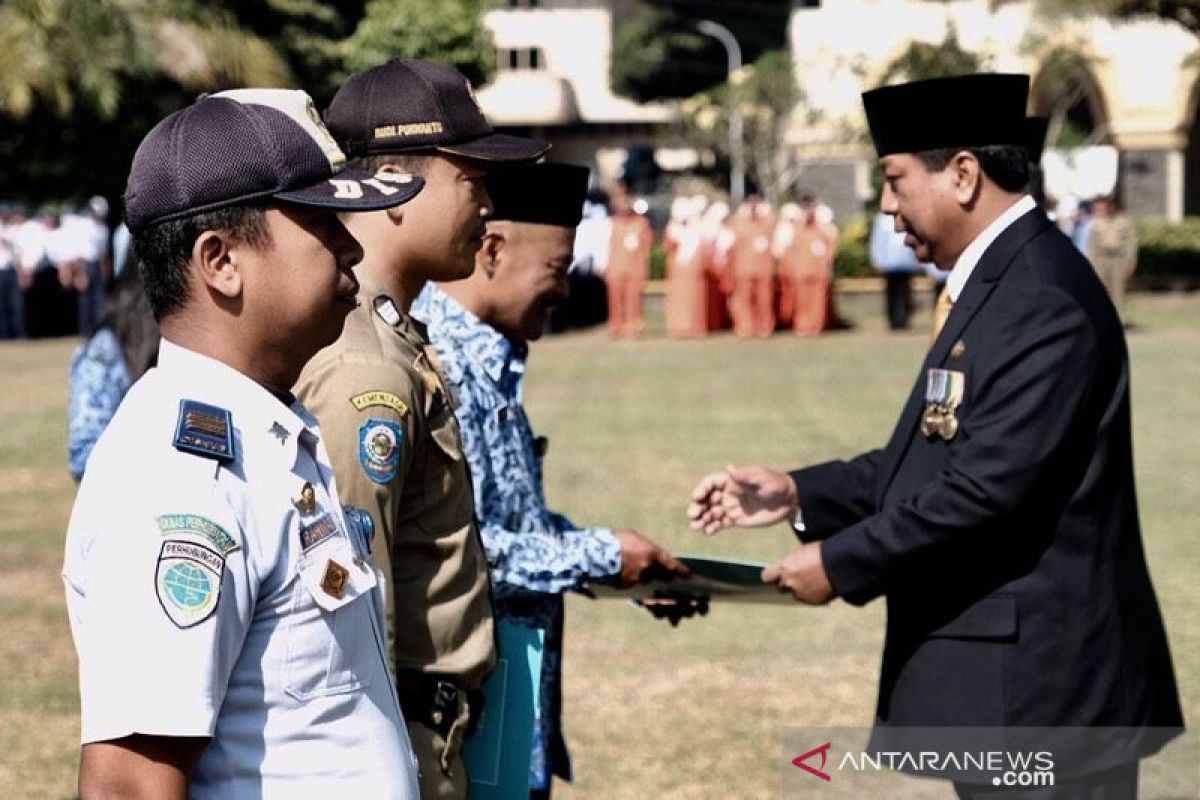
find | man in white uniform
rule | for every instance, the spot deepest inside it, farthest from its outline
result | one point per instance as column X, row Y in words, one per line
column 226, row 610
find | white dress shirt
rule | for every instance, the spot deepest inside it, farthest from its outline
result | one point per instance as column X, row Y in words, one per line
column 970, row 256
column 201, row 603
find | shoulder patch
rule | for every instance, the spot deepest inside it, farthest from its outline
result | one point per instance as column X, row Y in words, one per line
column 378, row 397
column 174, row 526
column 188, row 581
column 379, row 445
column 204, row 430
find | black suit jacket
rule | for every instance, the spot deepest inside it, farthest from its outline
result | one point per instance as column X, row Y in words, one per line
column 1011, row 555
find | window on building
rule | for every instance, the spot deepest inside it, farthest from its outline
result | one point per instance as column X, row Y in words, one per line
column 523, row 3
column 521, row 58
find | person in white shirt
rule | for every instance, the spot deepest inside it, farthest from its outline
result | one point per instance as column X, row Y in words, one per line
column 12, row 300
column 226, row 610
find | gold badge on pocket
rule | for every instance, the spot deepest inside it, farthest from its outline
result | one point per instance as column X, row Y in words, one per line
column 334, row 582
column 306, row 503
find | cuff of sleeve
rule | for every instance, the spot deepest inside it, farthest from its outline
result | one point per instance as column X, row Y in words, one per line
column 855, row 576
column 604, row 553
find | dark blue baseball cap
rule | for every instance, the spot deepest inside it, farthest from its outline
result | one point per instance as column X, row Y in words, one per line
column 409, row 105
column 244, row 145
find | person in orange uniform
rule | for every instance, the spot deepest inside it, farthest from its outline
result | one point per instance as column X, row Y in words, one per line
column 716, row 246
column 686, row 300
column 807, row 261
column 753, row 270
column 790, row 219
column 628, row 266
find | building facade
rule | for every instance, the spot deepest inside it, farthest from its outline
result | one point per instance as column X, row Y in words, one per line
column 1131, row 84
column 552, row 81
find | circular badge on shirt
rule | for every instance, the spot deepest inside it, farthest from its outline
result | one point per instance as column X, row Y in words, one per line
column 188, row 581
column 632, row 241
column 761, row 243
column 379, row 448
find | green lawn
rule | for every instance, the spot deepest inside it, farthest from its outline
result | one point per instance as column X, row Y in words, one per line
column 651, row 712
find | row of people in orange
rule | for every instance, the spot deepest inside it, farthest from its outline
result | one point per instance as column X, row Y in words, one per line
column 755, row 270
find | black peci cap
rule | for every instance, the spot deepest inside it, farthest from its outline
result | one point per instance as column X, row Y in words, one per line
column 249, row 144
column 545, row 194
column 962, row 111
column 408, row 104
column 1035, row 137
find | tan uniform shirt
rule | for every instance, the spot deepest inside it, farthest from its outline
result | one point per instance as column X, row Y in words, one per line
column 389, row 425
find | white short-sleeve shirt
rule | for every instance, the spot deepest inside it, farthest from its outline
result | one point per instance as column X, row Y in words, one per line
column 224, row 595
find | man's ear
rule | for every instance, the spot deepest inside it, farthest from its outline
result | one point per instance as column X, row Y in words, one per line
column 395, row 213
column 968, row 177
column 215, row 258
column 489, row 254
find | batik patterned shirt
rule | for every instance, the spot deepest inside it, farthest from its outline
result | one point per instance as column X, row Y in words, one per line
column 535, row 554
column 99, row 379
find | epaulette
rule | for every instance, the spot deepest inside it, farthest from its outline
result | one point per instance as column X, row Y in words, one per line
column 386, row 310
column 205, row 431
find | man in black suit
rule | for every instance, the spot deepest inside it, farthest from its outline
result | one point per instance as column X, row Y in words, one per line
column 1000, row 520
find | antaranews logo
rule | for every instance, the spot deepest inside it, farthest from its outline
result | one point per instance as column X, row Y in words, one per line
column 823, row 751
column 1000, row 768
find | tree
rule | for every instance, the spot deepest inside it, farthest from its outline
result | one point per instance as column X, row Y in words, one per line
column 62, row 54
column 307, row 34
column 1186, row 13
column 767, row 95
column 656, row 56
column 921, row 60
column 658, row 53
column 449, row 31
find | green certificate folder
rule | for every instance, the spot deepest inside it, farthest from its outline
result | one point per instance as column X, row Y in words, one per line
column 498, row 755
column 723, row 580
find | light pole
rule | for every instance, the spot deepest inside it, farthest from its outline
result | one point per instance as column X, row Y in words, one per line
column 737, row 167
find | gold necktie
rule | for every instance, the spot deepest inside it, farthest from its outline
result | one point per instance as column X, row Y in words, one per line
column 941, row 310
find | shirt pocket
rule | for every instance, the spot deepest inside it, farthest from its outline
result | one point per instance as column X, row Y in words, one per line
column 331, row 647
column 443, row 428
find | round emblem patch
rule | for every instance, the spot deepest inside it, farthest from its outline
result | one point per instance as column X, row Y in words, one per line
column 379, row 442
column 188, row 581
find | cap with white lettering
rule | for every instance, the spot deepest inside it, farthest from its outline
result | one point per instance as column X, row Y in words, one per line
column 246, row 145
column 408, row 104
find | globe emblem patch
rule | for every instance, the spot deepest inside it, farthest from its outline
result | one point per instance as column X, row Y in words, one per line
column 188, row 581
column 379, row 443
column 187, row 586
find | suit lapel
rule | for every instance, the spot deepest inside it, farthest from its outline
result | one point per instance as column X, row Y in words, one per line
column 984, row 279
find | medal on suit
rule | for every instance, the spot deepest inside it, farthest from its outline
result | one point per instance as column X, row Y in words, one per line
column 931, row 420
column 944, row 390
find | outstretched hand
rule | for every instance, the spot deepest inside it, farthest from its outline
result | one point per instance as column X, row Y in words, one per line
column 743, row 497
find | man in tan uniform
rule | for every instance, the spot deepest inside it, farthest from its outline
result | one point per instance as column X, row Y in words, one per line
column 385, row 407
column 1112, row 248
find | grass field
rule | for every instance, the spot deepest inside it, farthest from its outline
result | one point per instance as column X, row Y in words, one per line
column 651, row 712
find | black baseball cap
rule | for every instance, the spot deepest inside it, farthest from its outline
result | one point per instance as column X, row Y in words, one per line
column 961, row 111
column 249, row 144
column 408, row 104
